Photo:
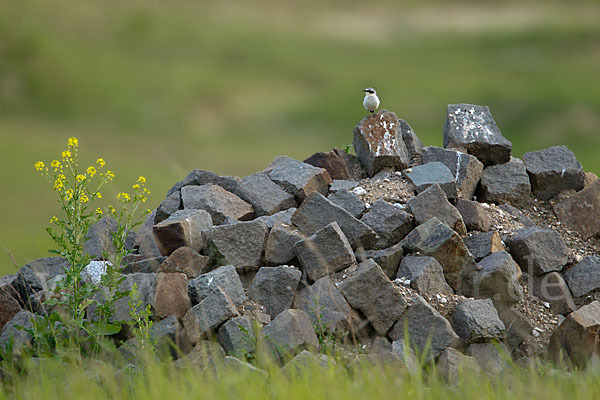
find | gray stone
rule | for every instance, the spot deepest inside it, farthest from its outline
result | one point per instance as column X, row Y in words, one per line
column 413, row 144
column 266, row 196
column 205, row 354
column 134, row 263
column 452, row 365
column 474, row 215
column 537, row 250
column 317, row 211
column 465, row 168
column 432, row 202
column 240, row 244
column 584, row 277
column 553, row 289
column 427, row 330
column 477, row 320
column 237, row 366
column 282, row 217
column 426, row 275
column 225, row 278
column 491, row 357
column 146, row 246
column 325, row 252
column 325, row 304
column 433, row 238
column 505, row 183
column 200, row 177
column 369, row 290
column 306, row 361
column 32, row 277
column 423, row 176
column 499, row 280
column 349, row 201
column 378, row 143
column 182, row 228
column 553, row 170
column 389, row 223
column 168, row 206
column 218, row 202
column 99, row 240
column 578, row 334
column 170, row 336
column 338, row 184
column 388, row 259
column 290, row 333
column 581, row 211
column 279, row 248
column 298, row 178
column 234, row 340
column 472, row 129
column 518, row 334
column 481, row 245
column 187, row 261
column 208, row 315
column 274, row 288
column 21, row 339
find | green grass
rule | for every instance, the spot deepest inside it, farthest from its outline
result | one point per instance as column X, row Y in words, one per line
column 97, row 380
column 159, row 90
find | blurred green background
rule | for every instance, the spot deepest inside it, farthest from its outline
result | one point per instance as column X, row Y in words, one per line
column 161, row 88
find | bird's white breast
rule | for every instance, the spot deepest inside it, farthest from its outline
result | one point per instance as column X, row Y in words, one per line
column 371, row 102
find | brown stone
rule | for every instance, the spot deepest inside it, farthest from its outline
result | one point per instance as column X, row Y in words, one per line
column 474, row 215
column 185, row 260
column 378, row 143
column 332, row 162
column 579, row 335
column 171, row 296
column 589, row 178
column 9, row 306
column 581, row 211
column 183, row 228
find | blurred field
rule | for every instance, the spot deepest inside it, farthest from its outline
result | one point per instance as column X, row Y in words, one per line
column 158, row 89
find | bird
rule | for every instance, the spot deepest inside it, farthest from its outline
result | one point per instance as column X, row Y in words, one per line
column 371, row 101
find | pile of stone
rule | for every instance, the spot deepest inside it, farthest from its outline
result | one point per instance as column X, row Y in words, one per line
column 403, row 248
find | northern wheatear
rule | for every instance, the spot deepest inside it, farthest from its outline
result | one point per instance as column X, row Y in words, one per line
column 371, row 101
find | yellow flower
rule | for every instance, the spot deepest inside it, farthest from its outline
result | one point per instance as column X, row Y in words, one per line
column 100, row 162
column 110, row 175
column 99, row 195
column 146, row 191
column 69, row 194
column 66, row 154
column 58, row 184
column 148, row 211
column 80, row 178
column 123, row 197
column 91, row 171
column 112, row 210
column 55, row 164
column 84, row 199
column 39, row 165
column 98, row 211
column 141, row 179
column 143, row 199
column 73, row 142
column 53, row 220
column 136, row 186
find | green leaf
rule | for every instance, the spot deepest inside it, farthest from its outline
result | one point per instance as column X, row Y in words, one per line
column 51, row 302
column 106, row 328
